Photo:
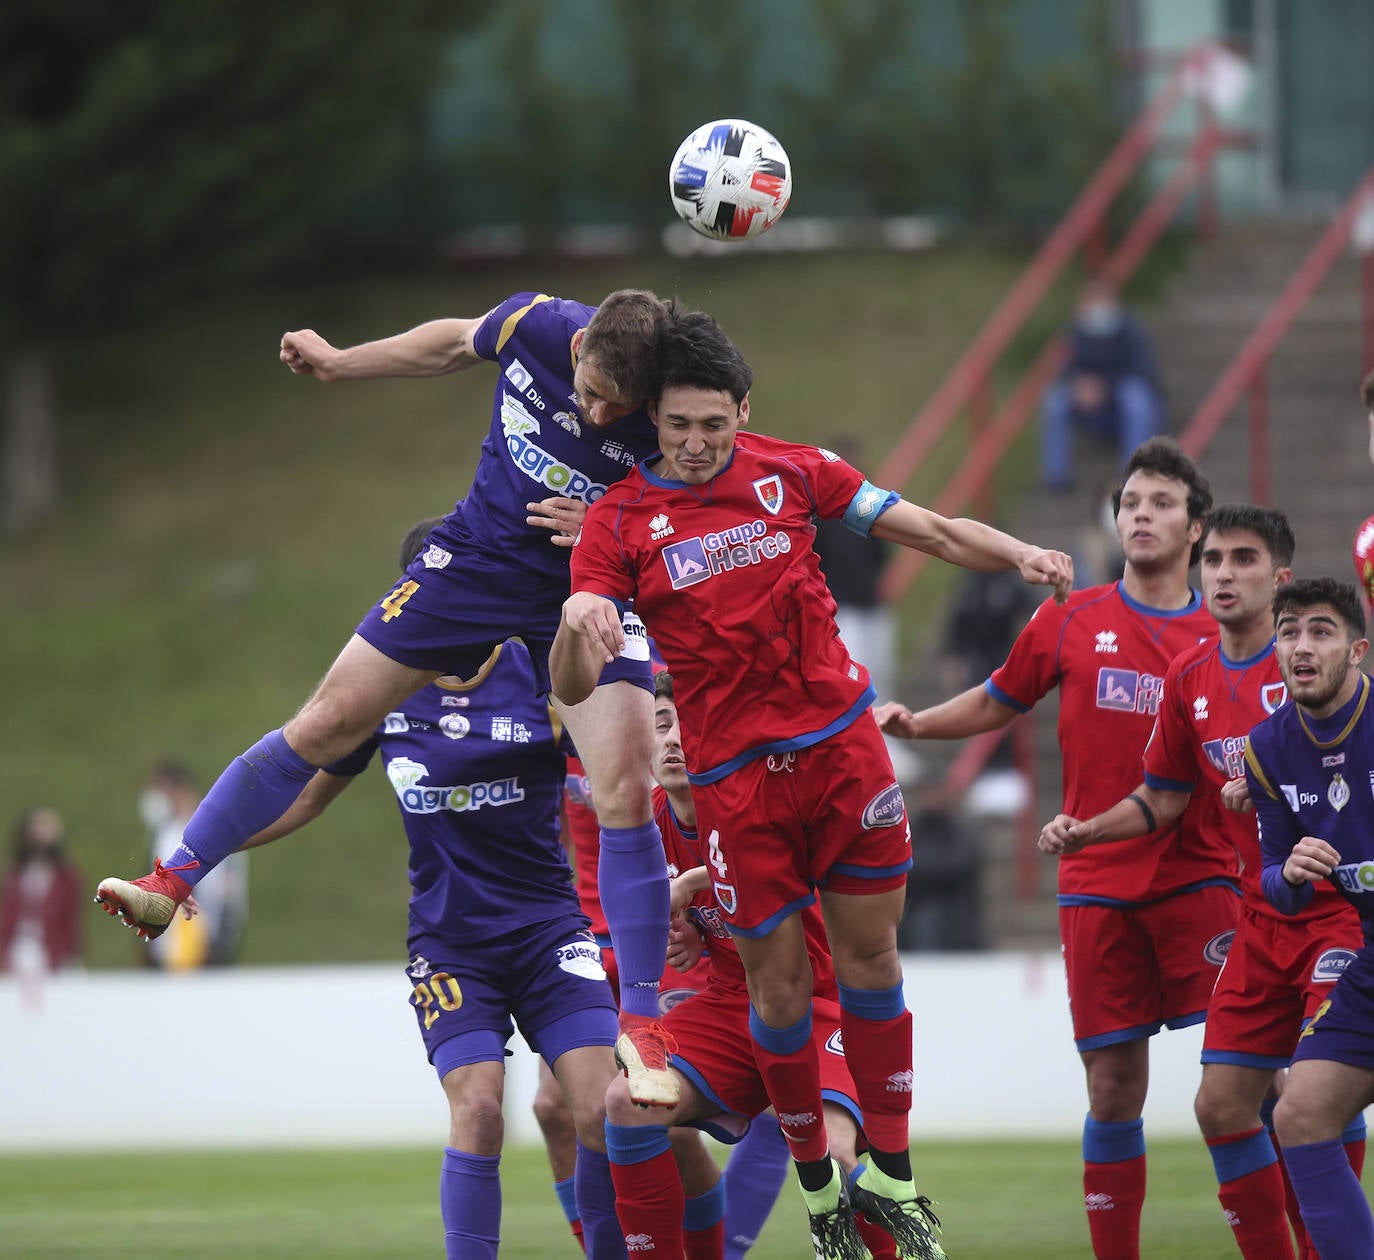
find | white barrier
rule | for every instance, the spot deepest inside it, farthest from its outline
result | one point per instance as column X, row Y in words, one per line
column 332, row 1056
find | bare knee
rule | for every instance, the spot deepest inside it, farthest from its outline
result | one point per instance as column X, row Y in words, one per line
column 1118, row 1077
column 618, row 1107
column 552, row 1114
column 476, row 1125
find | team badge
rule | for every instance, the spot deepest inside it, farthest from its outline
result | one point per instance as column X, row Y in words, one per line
column 419, row 967
column 834, row 1044
column 436, row 557
column 1338, row 793
column 769, row 490
column 725, row 894
column 1273, row 696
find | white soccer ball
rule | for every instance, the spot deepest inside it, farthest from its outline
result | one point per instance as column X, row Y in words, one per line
column 730, row 180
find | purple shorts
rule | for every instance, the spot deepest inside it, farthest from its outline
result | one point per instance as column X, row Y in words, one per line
column 547, row 978
column 1342, row 1030
column 454, row 605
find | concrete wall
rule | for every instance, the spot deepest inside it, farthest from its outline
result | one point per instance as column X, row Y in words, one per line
column 332, row 1056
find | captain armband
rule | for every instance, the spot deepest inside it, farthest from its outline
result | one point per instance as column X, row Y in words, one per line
column 1150, row 824
column 869, row 503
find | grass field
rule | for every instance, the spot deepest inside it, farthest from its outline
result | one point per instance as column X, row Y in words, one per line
column 997, row 1200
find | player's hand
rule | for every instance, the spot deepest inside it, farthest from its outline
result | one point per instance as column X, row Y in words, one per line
column 1311, row 859
column 563, row 517
column 189, row 908
column 597, row 620
column 1049, row 568
column 685, row 945
column 894, row 718
column 306, row 353
column 1235, row 795
column 682, row 888
column 1062, row 835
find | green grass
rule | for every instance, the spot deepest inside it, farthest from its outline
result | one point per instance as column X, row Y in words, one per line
column 997, row 1199
column 225, row 526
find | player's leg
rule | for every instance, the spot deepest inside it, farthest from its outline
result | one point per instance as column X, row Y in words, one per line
column 613, row 731
column 255, row 789
column 554, row 1118
column 845, row 1136
column 1320, row 1098
column 470, row 1180
column 1249, row 1176
column 703, row 1213
column 753, row 1179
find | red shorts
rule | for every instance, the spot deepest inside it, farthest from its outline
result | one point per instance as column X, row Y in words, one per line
column 715, row 1052
column 780, row 826
column 1276, row 974
column 1135, row 969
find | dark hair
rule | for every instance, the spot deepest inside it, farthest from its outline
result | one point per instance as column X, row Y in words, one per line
column 170, row 770
column 1163, row 457
column 663, row 685
column 620, row 341
column 1307, row 593
column 1267, row 523
column 693, row 350
column 415, row 539
column 24, row 847
column 1367, row 392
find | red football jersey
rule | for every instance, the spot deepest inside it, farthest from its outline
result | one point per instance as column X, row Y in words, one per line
column 1362, row 553
column 584, row 836
column 683, row 851
column 1210, row 706
column 724, row 576
column 1107, row 654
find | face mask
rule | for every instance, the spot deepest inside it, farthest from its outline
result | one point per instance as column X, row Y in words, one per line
column 155, row 809
column 1100, row 319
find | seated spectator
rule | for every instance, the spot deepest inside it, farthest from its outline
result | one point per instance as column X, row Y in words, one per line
column 41, row 899
column 1108, row 387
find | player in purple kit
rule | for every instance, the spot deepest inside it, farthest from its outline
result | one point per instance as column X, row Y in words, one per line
column 491, row 570
column 1142, row 925
column 1310, row 768
column 792, row 783
column 1277, row 970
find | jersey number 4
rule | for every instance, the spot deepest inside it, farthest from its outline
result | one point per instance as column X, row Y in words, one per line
column 395, row 602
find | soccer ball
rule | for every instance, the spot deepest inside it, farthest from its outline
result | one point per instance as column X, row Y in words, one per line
column 730, row 180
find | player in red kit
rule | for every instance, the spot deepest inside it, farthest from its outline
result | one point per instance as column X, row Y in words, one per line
column 1136, row 923
column 793, row 786
column 1362, row 549
column 1279, row 968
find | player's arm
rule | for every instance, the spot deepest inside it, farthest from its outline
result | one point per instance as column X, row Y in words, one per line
column 973, row 545
column 971, row 712
column 1287, row 889
column 314, row 799
column 590, row 636
column 433, row 349
column 1145, row 810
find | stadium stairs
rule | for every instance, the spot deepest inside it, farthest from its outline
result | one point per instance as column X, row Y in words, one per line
column 1319, row 469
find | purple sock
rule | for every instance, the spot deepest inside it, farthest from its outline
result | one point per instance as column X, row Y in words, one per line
column 753, row 1180
column 632, row 874
column 256, row 789
column 601, row 1232
column 1333, row 1205
column 470, row 1204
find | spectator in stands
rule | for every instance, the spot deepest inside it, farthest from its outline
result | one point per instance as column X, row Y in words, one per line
column 1108, row 387
column 1097, row 555
column 40, row 898
column 853, row 565
column 211, row 938
column 944, row 892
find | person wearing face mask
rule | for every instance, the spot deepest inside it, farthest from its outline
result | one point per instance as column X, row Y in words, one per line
column 213, row 935
column 1108, row 386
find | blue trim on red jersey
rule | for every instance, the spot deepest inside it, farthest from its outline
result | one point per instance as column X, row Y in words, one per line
column 867, row 872
column 1238, row 1058
column 774, row 919
column 1161, row 784
column 1186, row 1021
column 669, row 484
column 1228, row 663
column 1193, row 604
column 846, row 719
column 1001, row 697
column 1087, row 899
column 1138, row 1033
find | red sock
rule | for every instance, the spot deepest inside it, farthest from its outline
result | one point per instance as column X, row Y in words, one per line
column 577, row 1233
column 793, row 1082
column 705, row 1244
column 649, row 1202
column 1254, row 1209
column 879, row 1244
column 1114, row 1195
column 878, row 1052
column 1354, row 1152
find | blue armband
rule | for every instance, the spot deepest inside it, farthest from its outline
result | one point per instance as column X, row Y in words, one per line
column 868, row 503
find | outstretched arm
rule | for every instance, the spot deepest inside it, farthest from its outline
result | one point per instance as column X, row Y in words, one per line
column 433, row 349
column 973, row 545
column 971, row 712
column 314, row 799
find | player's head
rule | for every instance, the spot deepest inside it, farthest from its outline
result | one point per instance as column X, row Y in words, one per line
column 1159, row 504
column 702, row 398
column 669, row 765
column 414, row 540
column 1320, row 629
column 1247, row 553
column 615, row 356
column 38, row 833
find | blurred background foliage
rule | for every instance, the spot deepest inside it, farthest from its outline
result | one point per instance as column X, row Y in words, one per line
column 191, row 534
